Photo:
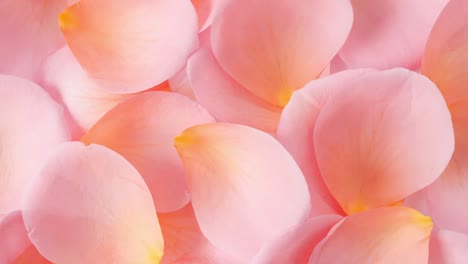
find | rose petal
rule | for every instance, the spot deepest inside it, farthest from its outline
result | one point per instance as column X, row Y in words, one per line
column 15, row 244
column 273, row 47
column 142, row 129
column 89, row 205
column 29, row 33
column 383, row 235
column 243, row 183
column 390, row 33
column 127, row 46
column 448, row 247
column 32, row 124
column 386, row 136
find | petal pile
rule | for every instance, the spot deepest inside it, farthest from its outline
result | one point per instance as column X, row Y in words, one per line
column 233, row 131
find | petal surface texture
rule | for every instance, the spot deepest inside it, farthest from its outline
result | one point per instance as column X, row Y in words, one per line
column 225, row 98
column 130, row 46
column 243, row 183
column 382, row 137
column 142, row 130
column 29, row 33
column 390, row 33
column 384, row 235
column 89, row 205
column 31, row 125
column 184, row 243
column 446, row 63
column 298, row 243
column 448, row 247
column 273, row 47
column 15, row 244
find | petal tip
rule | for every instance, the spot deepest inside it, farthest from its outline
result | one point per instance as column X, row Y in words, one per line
column 184, row 139
column 67, row 20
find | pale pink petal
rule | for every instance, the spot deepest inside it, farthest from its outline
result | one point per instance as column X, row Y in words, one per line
column 16, row 248
column 385, row 235
column 90, row 205
column 273, row 47
column 180, row 83
column 385, row 136
column 32, row 124
column 390, row 33
column 130, row 46
column 206, row 11
column 446, row 63
column 68, row 83
column 243, row 183
column 28, row 34
column 296, row 133
column 142, row 130
column 298, row 243
column 448, row 247
column 224, row 98
column 185, row 243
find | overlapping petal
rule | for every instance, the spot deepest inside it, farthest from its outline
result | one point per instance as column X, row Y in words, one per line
column 184, row 242
column 129, row 46
column 31, row 125
column 15, row 244
column 273, row 47
column 243, row 183
column 29, row 33
column 298, row 243
column 390, row 33
column 142, row 129
column 90, row 205
column 446, row 63
column 448, row 247
column 225, row 98
column 384, row 235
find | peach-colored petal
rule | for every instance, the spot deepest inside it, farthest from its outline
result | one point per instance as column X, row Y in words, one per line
column 390, row 33
column 184, row 242
column 448, row 247
column 142, row 129
column 273, row 47
column 446, row 63
column 386, row 136
column 28, row 34
column 243, row 183
column 31, row 125
column 385, row 235
column 296, row 133
column 298, row 243
column 16, row 248
column 225, row 98
column 130, row 46
column 90, row 205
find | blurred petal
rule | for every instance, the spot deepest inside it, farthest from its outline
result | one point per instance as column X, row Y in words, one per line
column 296, row 133
column 383, row 139
column 15, row 244
column 448, row 247
column 273, row 47
column 142, row 130
column 446, row 63
column 185, row 243
column 225, row 98
column 29, row 33
column 243, row 183
column 31, row 125
column 390, row 33
column 297, row 244
column 206, row 11
column 89, row 205
column 130, row 46
column 384, row 235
